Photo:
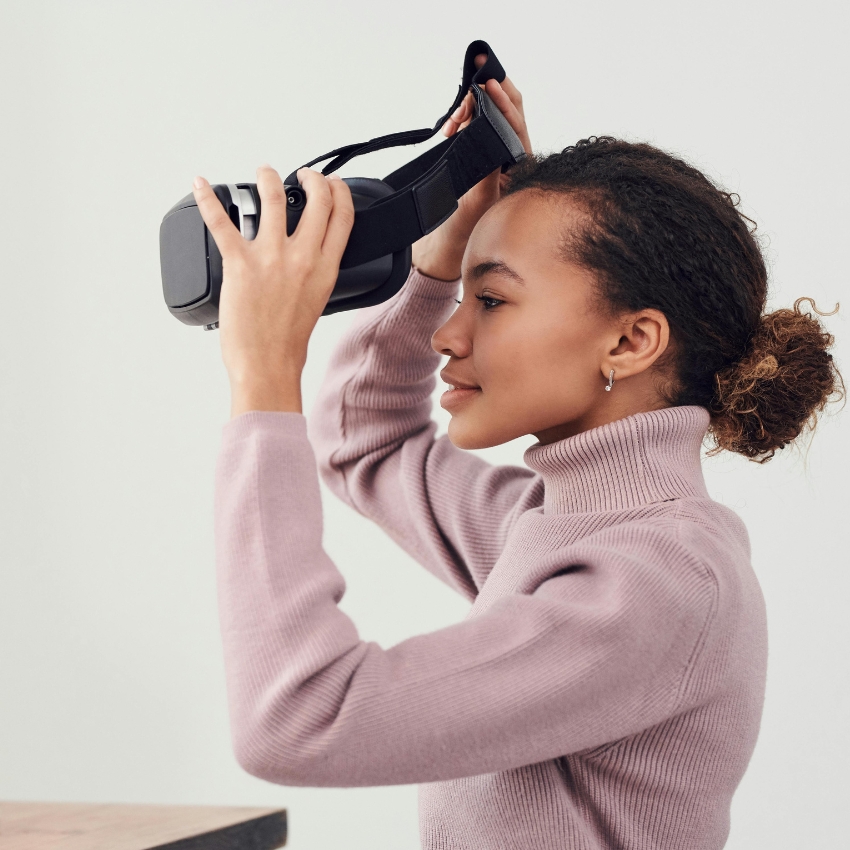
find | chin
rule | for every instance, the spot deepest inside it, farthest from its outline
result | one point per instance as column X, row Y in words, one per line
column 464, row 436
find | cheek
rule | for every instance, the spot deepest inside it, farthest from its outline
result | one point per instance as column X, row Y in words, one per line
column 502, row 358
column 543, row 363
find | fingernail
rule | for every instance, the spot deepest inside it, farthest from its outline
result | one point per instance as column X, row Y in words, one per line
column 333, row 176
column 265, row 165
column 200, row 182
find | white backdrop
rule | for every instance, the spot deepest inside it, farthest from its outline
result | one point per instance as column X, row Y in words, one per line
column 110, row 667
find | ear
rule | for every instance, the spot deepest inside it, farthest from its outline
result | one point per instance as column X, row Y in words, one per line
column 644, row 337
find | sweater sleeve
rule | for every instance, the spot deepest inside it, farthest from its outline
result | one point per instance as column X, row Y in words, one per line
column 373, row 436
column 598, row 651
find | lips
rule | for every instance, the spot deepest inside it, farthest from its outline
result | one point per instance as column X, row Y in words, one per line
column 453, row 399
column 458, row 383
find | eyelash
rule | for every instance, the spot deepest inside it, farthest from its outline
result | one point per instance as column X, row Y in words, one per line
column 485, row 298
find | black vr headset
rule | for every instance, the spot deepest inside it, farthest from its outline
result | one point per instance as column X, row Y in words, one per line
column 390, row 214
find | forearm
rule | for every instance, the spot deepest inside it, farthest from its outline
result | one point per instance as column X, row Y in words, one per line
column 380, row 377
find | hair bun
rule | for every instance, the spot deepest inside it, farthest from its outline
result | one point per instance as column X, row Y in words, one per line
column 777, row 389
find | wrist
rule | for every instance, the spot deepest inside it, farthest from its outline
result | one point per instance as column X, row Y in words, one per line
column 276, row 392
column 434, row 258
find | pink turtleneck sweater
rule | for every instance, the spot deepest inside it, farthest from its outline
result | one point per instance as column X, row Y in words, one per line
column 605, row 689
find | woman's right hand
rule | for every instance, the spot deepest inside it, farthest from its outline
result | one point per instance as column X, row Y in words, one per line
column 439, row 253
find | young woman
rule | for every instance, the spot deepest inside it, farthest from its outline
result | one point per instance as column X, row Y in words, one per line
column 606, row 688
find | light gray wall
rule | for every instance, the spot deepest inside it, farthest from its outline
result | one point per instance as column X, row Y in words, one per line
column 110, row 670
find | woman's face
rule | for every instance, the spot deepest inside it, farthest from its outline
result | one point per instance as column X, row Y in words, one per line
column 537, row 348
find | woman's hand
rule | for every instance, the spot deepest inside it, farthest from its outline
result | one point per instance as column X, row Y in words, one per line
column 439, row 253
column 275, row 287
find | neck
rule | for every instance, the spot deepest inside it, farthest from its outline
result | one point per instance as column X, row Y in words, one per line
column 653, row 456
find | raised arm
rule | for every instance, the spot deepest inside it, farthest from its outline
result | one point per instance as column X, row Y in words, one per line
column 373, row 436
column 599, row 642
column 371, row 426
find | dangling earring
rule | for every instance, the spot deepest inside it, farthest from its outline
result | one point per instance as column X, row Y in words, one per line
column 610, row 382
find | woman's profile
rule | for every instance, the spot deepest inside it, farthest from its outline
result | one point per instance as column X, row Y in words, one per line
column 606, row 688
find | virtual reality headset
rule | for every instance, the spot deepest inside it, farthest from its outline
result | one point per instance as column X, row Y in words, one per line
column 390, row 214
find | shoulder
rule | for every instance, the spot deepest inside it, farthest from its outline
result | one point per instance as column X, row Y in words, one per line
column 637, row 584
column 678, row 575
column 703, row 520
column 698, row 532
column 638, row 556
column 691, row 549
column 695, row 554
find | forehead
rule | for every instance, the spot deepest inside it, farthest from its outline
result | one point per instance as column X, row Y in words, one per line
column 494, row 266
column 521, row 244
column 518, row 233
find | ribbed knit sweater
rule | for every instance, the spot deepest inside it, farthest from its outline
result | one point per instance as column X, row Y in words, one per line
column 605, row 689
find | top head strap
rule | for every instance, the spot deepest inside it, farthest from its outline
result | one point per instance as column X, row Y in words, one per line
column 491, row 70
column 427, row 188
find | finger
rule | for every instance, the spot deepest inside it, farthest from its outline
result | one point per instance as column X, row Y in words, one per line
column 460, row 117
column 273, row 204
column 512, row 92
column 464, row 111
column 313, row 223
column 466, row 114
column 454, row 120
column 466, row 107
column 341, row 219
column 226, row 235
column 514, row 117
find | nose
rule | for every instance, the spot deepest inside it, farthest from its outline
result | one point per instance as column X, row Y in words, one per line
column 452, row 337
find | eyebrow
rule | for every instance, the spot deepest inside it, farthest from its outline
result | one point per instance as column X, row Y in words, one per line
column 493, row 267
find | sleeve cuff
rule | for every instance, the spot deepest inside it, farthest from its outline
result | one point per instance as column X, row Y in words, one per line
column 289, row 423
column 425, row 285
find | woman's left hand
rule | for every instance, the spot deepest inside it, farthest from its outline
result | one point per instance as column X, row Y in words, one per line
column 275, row 287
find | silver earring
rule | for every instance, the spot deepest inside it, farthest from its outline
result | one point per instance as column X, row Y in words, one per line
column 610, row 382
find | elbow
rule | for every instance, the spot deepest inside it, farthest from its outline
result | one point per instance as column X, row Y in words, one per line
column 277, row 755
column 258, row 754
column 329, row 472
column 254, row 740
column 252, row 757
column 333, row 478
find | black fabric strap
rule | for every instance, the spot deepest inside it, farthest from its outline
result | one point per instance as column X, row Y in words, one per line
column 490, row 70
column 428, row 187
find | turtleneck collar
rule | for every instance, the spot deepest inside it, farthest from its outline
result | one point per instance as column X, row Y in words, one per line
column 644, row 458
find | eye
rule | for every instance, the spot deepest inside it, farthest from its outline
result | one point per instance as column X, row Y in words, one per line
column 487, row 307
column 495, row 301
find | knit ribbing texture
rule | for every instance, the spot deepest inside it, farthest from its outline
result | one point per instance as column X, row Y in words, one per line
column 604, row 690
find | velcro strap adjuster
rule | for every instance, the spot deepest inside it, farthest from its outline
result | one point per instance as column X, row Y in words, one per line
column 435, row 198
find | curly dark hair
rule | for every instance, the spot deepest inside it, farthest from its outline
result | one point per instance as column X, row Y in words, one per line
column 659, row 234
